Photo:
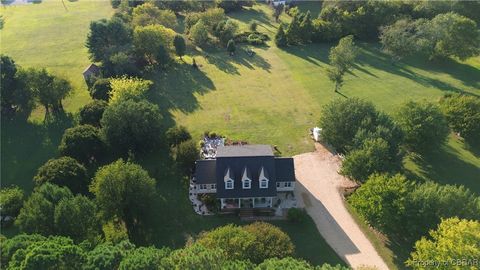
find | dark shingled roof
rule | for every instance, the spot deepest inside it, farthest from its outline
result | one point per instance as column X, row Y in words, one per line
column 254, row 150
column 205, row 171
column 284, row 169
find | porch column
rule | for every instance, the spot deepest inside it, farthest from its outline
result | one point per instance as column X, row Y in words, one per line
column 239, row 203
column 253, row 202
column 271, row 199
column 222, row 202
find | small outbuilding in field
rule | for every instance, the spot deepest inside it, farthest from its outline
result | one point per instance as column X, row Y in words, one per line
column 91, row 72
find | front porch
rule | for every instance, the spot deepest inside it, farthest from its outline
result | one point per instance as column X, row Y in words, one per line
column 237, row 203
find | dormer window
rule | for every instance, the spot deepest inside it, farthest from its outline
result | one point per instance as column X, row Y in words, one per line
column 229, row 184
column 246, row 179
column 263, row 178
column 228, row 179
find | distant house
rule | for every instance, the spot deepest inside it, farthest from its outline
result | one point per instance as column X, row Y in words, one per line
column 90, row 73
column 247, row 176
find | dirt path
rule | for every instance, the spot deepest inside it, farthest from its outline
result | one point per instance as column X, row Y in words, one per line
column 318, row 189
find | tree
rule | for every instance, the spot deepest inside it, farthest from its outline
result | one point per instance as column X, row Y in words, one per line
column 148, row 14
column 225, row 30
column 277, row 11
column 37, row 213
column 115, row 231
column 424, row 126
column 252, row 26
column 400, row 39
column 132, row 126
column 101, row 89
column 197, row 257
column 16, row 98
column 92, row 113
column 153, row 43
column 63, row 171
column 176, row 135
column 180, row 46
column 11, row 201
column 83, row 142
column 231, row 46
column 285, row 263
column 455, row 241
column 463, row 115
column 125, row 88
column 429, row 202
column 124, row 190
column 186, row 154
column 107, row 37
column 306, row 28
column 17, row 242
column 237, row 243
column 75, row 217
column 372, row 157
column 342, row 119
column 293, row 32
column 106, row 256
column 199, row 33
column 451, row 34
column 271, row 242
column 144, row 258
column 344, row 54
column 381, row 200
column 49, row 89
column 335, row 75
column 52, row 253
column 280, row 37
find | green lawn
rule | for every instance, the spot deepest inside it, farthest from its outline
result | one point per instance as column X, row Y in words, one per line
column 273, row 97
column 48, row 35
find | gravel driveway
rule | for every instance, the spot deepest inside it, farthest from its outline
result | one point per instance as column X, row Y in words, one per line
column 318, row 190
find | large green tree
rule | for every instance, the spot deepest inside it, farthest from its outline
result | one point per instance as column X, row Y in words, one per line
column 123, row 190
column 92, row 113
column 463, row 115
column 76, row 218
column 423, row 124
column 180, row 46
column 148, row 14
column 341, row 119
column 186, row 153
column 342, row 58
column 83, row 142
column 107, row 256
column 144, row 258
column 37, row 213
column 107, row 37
column 132, row 126
column 11, row 201
column 128, row 88
column 16, row 98
column 381, row 200
column 400, row 39
column 455, row 243
column 153, row 43
column 63, row 171
column 17, row 242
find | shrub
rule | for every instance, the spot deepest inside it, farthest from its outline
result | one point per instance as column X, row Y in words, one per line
column 11, row 201
column 463, row 115
column 63, row 171
column 199, row 33
column 297, row 215
column 92, row 113
column 101, row 89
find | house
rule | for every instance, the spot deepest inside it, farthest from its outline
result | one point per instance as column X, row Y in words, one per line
column 245, row 176
column 90, row 73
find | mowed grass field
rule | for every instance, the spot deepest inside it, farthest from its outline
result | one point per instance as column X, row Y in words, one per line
column 53, row 36
column 273, row 98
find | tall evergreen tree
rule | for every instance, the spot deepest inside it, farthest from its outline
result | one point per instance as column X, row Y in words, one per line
column 280, row 37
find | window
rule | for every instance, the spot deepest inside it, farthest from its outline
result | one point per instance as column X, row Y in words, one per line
column 229, row 184
column 263, row 183
column 278, row 184
column 214, row 186
column 247, row 184
column 288, row 184
column 203, row 186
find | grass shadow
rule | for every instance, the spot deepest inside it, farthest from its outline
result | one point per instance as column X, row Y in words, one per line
column 315, row 54
column 25, row 147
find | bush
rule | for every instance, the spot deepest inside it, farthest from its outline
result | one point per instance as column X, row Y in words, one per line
column 63, row 171
column 176, row 135
column 101, row 89
column 463, row 115
column 11, row 201
column 297, row 215
column 83, row 143
column 92, row 113
column 199, row 33
column 231, row 46
column 424, row 126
